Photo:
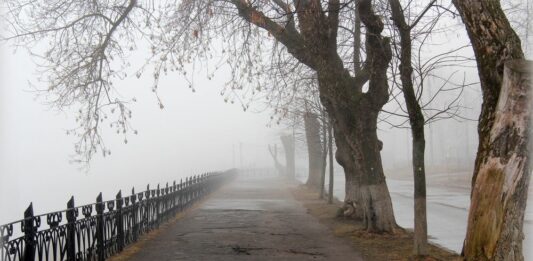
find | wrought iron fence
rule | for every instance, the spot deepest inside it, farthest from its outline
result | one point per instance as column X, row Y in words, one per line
column 99, row 230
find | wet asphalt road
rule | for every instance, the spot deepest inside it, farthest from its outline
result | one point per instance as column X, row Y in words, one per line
column 251, row 218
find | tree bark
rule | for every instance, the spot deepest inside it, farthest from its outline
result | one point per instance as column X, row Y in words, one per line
column 497, row 184
column 357, row 42
column 494, row 41
column 499, row 196
column 331, row 174
column 324, row 153
column 417, row 122
column 288, row 146
column 314, row 150
column 358, row 152
column 503, row 178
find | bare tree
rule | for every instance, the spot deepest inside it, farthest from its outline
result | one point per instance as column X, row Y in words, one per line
column 412, row 88
column 412, row 25
column 416, row 118
column 89, row 38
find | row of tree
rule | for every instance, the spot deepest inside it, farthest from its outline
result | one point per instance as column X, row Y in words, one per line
column 290, row 49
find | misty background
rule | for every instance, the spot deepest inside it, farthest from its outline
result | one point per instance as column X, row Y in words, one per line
column 195, row 132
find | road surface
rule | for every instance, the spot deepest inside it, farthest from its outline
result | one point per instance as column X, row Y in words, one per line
column 251, row 218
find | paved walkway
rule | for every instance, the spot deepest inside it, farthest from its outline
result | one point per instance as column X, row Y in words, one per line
column 250, row 218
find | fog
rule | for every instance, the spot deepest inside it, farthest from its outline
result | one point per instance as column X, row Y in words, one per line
column 195, row 132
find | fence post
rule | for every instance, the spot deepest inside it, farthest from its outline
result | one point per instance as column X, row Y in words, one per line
column 120, row 220
column 149, row 217
column 191, row 194
column 195, row 187
column 198, row 187
column 174, row 199
column 134, row 207
column 100, row 228
column 180, row 195
column 201, row 185
column 167, row 203
column 29, row 234
column 157, row 205
column 206, row 181
column 187, row 189
column 147, row 207
column 71, row 230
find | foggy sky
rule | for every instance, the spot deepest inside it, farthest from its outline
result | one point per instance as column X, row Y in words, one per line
column 194, row 133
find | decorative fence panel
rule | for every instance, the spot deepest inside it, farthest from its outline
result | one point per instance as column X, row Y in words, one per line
column 99, row 230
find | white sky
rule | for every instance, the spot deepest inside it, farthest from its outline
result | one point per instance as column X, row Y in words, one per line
column 194, row 133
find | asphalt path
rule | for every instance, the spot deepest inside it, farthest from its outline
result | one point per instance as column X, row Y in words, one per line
column 251, row 218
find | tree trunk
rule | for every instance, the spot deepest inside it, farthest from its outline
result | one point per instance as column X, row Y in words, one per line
column 366, row 186
column 314, row 150
column 416, row 119
column 274, row 153
column 494, row 41
column 419, row 173
column 288, row 146
column 358, row 152
column 500, row 194
column 324, row 153
column 331, row 174
column 489, row 234
column 352, row 113
column 357, row 42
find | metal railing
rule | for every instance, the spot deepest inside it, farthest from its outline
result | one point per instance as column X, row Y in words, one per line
column 99, row 230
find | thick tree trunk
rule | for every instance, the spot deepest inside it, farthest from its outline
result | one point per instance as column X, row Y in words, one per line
column 494, row 41
column 314, row 150
column 500, row 194
column 352, row 113
column 288, row 146
column 416, row 119
column 358, row 152
column 496, row 202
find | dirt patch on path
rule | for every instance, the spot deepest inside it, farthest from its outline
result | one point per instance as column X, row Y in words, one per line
column 375, row 247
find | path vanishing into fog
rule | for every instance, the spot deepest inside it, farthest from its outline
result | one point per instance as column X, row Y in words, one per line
column 251, row 218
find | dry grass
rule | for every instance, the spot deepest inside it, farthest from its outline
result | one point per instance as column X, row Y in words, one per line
column 375, row 247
